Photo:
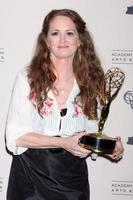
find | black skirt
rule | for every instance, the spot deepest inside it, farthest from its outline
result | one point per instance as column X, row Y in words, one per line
column 48, row 174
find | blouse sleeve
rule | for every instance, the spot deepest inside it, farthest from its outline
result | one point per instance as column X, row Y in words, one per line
column 19, row 121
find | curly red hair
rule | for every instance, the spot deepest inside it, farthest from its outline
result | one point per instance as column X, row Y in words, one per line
column 86, row 65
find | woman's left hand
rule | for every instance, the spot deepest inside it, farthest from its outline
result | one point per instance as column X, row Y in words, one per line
column 118, row 152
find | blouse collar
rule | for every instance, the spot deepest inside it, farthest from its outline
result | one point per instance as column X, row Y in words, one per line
column 75, row 90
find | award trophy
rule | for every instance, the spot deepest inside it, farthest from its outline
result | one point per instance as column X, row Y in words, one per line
column 100, row 143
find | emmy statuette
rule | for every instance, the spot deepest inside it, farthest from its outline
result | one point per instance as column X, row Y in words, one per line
column 100, row 143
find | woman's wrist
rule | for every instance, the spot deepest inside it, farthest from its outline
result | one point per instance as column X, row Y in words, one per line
column 59, row 142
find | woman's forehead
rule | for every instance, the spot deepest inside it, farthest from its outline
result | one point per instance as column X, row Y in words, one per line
column 62, row 22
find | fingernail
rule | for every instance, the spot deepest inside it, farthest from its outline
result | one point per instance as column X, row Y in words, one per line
column 118, row 139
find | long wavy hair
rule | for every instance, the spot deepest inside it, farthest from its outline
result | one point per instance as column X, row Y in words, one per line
column 86, row 66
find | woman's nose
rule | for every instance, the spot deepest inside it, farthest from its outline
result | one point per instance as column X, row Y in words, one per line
column 62, row 38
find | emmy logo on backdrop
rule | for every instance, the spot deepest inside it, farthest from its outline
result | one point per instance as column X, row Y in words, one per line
column 129, row 10
column 100, row 143
column 128, row 98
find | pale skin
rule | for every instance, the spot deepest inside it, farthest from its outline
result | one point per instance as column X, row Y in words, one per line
column 63, row 41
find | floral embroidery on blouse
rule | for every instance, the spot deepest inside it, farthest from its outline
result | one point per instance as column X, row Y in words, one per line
column 48, row 105
column 78, row 109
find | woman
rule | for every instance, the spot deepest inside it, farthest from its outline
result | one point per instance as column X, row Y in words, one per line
column 54, row 103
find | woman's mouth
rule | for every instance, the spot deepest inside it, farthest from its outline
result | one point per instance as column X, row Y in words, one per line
column 63, row 46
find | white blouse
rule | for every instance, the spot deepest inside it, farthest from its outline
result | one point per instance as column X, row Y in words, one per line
column 23, row 116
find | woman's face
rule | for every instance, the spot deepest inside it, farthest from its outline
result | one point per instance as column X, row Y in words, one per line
column 62, row 37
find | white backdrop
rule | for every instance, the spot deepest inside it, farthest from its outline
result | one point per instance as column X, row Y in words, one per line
column 112, row 31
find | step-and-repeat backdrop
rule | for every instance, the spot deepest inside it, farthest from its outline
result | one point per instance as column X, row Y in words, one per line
column 111, row 26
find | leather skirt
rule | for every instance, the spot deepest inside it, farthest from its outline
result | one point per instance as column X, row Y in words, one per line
column 48, row 174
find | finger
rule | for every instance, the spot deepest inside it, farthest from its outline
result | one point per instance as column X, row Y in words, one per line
column 118, row 138
column 118, row 157
column 80, row 134
column 83, row 150
column 81, row 155
column 118, row 148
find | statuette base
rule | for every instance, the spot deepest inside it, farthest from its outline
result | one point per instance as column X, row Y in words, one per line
column 98, row 143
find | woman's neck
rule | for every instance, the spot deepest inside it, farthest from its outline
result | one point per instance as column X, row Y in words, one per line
column 63, row 69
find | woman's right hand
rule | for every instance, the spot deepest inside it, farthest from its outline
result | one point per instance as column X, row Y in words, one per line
column 71, row 144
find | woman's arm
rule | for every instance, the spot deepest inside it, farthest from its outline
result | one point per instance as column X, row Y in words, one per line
column 35, row 140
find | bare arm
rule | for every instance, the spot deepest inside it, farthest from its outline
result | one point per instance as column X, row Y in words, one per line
column 35, row 140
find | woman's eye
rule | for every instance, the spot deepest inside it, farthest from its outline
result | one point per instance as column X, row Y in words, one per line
column 54, row 33
column 70, row 33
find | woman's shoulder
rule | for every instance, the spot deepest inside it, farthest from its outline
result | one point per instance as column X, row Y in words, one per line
column 22, row 75
column 21, row 79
